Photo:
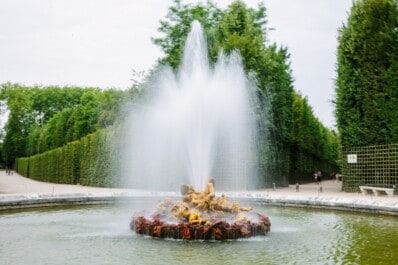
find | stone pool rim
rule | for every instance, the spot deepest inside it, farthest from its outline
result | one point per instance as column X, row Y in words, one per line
column 365, row 204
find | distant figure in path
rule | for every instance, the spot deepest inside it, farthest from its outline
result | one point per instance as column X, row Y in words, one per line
column 318, row 176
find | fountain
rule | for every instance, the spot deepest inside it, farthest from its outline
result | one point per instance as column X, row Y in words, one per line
column 195, row 124
column 201, row 215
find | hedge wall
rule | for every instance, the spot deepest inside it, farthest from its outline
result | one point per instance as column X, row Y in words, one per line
column 89, row 161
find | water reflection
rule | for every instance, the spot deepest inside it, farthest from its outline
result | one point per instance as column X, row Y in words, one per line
column 373, row 240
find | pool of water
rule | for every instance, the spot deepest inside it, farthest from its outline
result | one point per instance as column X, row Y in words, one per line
column 100, row 235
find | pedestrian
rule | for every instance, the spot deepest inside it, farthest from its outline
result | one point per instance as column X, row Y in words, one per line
column 319, row 176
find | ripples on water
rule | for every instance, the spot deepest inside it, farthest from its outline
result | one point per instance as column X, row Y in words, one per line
column 101, row 235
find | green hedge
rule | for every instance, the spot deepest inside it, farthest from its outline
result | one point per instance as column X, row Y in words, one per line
column 89, row 161
column 22, row 166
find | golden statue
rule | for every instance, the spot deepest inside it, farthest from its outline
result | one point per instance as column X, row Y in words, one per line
column 181, row 210
column 207, row 201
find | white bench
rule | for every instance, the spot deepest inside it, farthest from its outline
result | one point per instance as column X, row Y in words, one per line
column 376, row 190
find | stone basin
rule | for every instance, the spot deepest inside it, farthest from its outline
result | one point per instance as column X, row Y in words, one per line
column 216, row 230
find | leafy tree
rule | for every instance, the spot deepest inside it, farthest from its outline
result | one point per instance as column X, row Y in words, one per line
column 29, row 109
column 244, row 29
column 48, row 101
column 43, row 118
column 177, row 25
column 367, row 81
column 20, row 119
column 86, row 115
column 110, row 104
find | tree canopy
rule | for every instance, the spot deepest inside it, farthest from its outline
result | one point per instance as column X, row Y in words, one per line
column 44, row 118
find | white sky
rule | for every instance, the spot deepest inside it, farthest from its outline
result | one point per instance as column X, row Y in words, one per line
column 99, row 42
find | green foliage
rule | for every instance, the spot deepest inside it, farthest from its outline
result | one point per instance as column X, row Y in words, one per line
column 90, row 161
column 20, row 119
column 244, row 29
column 29, row 108
column 48, row 101
column 44, row 118
column 312, row 145
column 367, row 81
column 86, row 115
column 177, row 25
column 22, row 166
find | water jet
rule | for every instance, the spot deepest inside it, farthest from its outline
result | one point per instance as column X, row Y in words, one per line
column 196, row 123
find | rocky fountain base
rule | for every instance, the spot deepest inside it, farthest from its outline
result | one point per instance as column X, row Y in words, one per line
column 200, row 216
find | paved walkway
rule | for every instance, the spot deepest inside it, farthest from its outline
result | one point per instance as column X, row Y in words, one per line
column 15, row 185
column 17, row 191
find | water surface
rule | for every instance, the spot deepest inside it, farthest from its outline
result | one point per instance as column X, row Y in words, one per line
column 101, row 235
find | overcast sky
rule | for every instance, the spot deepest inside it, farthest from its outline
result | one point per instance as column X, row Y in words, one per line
column 99, row 42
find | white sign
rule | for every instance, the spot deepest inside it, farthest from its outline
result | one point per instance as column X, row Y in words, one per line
column 352, row 159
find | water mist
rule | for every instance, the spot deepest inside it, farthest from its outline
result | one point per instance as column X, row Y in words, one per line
column 193, row 125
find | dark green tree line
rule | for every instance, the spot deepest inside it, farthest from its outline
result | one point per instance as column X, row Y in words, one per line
column 312, row 145
column 367, row 81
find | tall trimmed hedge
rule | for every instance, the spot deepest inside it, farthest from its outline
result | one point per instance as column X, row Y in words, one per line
column 89, row 161
column 367, row 66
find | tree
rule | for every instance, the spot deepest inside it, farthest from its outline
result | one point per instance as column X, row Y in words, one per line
column 43, row 118
column 177, row 25
column 17, row 129
column 48, row 101
column 244, row 29
column 366, row 86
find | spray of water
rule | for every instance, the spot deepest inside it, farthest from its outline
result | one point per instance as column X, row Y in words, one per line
column 194, row 125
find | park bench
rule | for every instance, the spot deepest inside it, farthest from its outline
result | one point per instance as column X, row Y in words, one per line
column 376, row 190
